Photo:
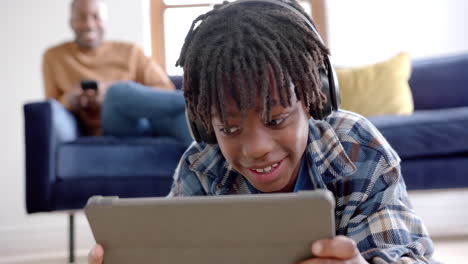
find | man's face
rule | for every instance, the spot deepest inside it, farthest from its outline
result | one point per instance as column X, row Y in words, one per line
column 268, row 153
column 87, row 21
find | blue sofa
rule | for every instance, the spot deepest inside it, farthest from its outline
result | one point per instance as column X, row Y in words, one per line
column 64, row 169
column 433, row 141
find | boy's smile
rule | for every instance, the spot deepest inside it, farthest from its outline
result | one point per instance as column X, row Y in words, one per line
column 267, row 153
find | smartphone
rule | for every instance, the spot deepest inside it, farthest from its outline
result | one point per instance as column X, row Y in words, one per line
column 89, row 85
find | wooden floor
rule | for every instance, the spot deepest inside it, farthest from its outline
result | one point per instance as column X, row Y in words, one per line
column 451, row 250
column 447, row 251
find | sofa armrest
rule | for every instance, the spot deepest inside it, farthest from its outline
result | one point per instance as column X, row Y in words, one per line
column 177, row 81
column 47, row 124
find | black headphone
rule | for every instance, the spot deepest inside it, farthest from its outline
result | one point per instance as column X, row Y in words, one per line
column 328, row 78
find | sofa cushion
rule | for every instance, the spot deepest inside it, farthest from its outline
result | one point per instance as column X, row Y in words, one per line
column 378, row 89
column 118, row 157
column 426, row 133
column 440, row 82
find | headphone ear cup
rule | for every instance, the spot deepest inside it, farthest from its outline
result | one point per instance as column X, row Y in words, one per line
column 334, row 87
column 315, row 111
column 206, row 137
column 198, row 131
column 192, row 128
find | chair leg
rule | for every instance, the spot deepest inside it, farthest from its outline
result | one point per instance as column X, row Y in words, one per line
column 71, row 237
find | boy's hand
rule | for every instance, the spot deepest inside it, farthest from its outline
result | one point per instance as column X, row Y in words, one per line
column 339, row 249
column 96, row 255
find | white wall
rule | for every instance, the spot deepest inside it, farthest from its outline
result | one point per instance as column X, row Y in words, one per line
column 27, row 28
column 365, row 31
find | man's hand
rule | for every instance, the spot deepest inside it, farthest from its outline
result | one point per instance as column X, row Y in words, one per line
column 96, row 255
column 339, row 249
column 81, row 100
column 89, row 112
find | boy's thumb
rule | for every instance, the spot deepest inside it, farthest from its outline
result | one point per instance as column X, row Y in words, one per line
column 96, row 255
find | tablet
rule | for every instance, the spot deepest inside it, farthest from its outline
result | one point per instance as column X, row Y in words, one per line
column 229, row 229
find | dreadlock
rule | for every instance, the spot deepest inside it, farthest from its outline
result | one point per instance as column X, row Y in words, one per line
column 247, row 47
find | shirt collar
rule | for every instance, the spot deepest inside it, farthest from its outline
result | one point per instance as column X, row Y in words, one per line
column 303, row 181
column 207, row 159
column 327, row 152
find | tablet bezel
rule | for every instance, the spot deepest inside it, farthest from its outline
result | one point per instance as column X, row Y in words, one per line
column 254, row 228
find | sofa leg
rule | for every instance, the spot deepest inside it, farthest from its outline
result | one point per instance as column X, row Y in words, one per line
column 71, row 238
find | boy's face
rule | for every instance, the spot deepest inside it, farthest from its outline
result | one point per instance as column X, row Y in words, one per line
column 269, row 153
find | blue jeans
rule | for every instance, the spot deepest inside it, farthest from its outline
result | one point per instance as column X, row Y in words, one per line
column 131, row 109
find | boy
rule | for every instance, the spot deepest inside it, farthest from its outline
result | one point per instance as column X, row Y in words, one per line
column 257, row 84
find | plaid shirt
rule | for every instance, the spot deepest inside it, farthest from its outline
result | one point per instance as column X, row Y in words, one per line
column 348, row 156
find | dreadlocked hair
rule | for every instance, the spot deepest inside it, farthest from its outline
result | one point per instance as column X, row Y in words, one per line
column 241, row 49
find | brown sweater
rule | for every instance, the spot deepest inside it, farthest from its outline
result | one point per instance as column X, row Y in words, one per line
column 65, row 65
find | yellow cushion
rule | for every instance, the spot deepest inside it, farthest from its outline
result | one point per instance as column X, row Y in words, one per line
column 378, row 89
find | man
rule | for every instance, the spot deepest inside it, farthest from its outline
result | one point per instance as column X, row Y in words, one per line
column 89, row 57
column 254, row 90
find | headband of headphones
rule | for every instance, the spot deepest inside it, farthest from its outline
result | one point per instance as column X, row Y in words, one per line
column 277, row 3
